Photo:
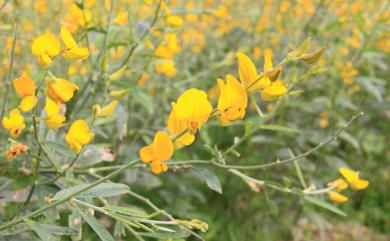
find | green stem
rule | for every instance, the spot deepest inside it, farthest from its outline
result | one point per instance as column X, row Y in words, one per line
column 67, row 198
column 11, row 65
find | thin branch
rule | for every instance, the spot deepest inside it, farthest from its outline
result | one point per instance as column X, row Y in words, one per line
column 67, row 198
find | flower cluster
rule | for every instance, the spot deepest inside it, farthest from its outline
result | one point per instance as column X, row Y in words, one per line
column 193, row 109
column 351, row 178
column 58, row 90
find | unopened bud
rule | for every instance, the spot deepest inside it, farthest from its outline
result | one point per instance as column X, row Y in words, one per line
column 119, row 94
column 273, row 74
column 312, row 57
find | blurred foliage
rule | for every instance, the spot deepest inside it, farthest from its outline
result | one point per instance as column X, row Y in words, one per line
column 351, row 77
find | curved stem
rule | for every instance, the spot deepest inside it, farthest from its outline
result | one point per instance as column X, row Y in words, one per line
column 67, row 198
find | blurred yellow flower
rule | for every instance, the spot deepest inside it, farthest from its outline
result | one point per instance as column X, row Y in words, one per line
column 159, row 151
column 78, row 135
column 166, row 67
column 122, row 18
column 339, row 184
column 337, row 197
column 232, row 101
column 45, row 47
column 353, row 179
column 174, row 20
column 72, row 51
column 14, row 123
column 25, row 87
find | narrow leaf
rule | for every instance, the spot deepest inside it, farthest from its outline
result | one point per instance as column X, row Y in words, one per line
column 279, row 128
column 101, row 190
column 99, row 229
column 325, row 205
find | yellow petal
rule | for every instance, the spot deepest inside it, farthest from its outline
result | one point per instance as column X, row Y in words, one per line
column 55, row 121
column 349, row 174
column 78, row 135
column 52, row 107
column 162, row 146
column 247, row 72
column 193, row 104
column 24, row 85
column 339, row 184
column 360, row 184
column 156, row 167
column 67, row 39
column 176, row 127
column 273, row 91
column 76, row 53
column 337, row 197
column 268, row 59
column 28, row 102
column 174, row 20
column 146, row 153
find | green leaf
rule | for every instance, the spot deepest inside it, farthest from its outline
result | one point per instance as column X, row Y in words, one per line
column 325, row 205
column 101, row 190
column 279, row 128
column 167, row 235
column 211, row 179
column 43, row 233
column 15, row 229
column 126, row 211
column 99, row 229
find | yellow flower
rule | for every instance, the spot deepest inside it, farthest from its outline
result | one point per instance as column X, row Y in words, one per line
column 78, row 135
column 270, row 88
column 14, row 123
column 122, row 18
column 25, row 87
column 45, row 47
column 167, row 68
column 77, row 17
column 159, row 151
column 353, row 179
column 232, row 101
column 174, row 20
column 339, row 184
column 60, row 90
column 72, row 51
column 337, row 197
column 106, row 110
column 188, row 114
column 193, row 107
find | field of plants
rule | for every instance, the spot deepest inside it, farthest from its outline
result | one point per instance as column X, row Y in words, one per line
column 220, row 120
